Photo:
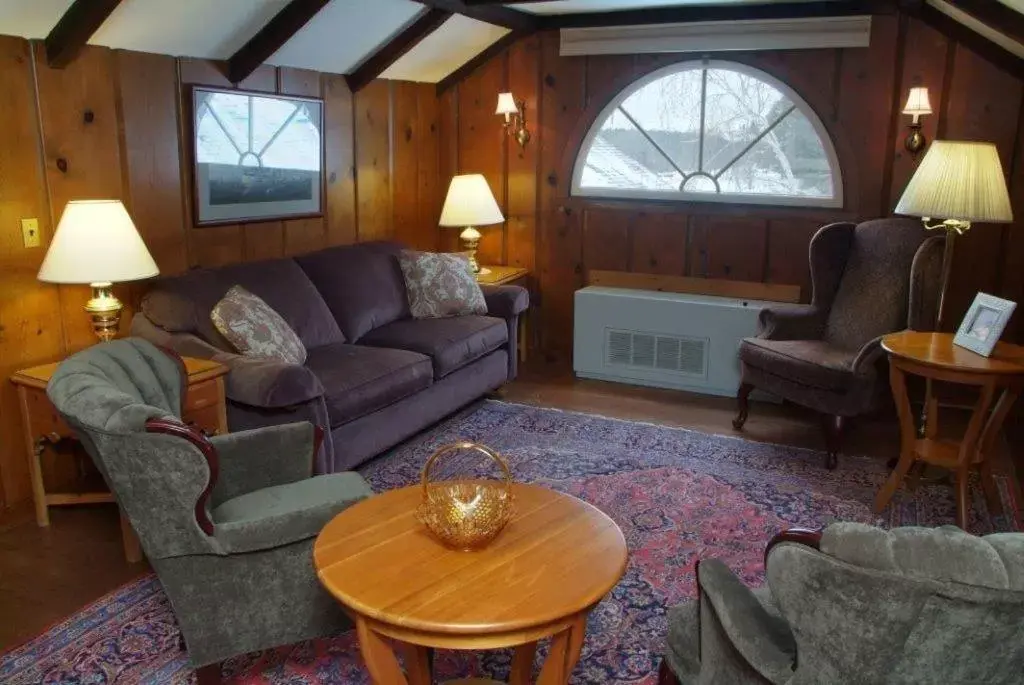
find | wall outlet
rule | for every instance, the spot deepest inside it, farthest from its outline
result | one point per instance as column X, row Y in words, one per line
column 30, row 232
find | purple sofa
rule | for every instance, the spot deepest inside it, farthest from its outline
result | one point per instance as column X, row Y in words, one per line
column 373, row 377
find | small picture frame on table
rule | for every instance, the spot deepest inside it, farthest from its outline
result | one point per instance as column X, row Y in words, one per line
column 983, row 326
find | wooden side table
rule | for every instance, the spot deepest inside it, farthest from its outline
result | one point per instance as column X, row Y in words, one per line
column 554, row 561
column 43, row 427
column 510, row 275
column 934, row 356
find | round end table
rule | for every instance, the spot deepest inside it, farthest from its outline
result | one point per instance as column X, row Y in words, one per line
column 934, row 356
column 553, row 562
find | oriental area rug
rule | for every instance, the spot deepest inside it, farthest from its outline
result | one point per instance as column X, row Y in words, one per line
column 678, row 495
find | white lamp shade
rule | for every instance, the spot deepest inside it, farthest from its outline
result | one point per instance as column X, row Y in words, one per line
column 470, row 202
column 506, row 104
column 958, row 180
column 917, row 102
column 96, row 242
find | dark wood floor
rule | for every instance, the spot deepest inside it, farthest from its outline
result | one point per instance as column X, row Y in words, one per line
column 46, row 574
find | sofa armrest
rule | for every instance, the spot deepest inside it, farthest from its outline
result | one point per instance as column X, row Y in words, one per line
column 264, row 457
column 506, row 301
column 764, row 641
column 791, row 322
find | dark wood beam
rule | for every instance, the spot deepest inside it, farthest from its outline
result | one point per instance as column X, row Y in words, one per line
column 477, row 3
column 996, row 15
column 388, row 54
column 271, row 37
column 74, row 30
column 954, row 30
column 737, row 12
column 492, row 14
column 469, row 67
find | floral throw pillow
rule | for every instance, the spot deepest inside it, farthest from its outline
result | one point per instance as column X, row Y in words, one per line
column 440, row 285
column 256, row 330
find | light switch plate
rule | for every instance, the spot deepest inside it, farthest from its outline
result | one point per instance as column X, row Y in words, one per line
column 30, row 232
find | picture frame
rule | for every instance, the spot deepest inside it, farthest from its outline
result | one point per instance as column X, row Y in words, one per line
column 984, row 323
column 255, row 156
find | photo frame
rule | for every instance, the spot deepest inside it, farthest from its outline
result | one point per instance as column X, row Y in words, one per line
column 255, row 156
column 984, row 323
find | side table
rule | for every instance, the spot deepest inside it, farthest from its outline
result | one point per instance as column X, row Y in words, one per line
column 42, row 427
column 510, row 275
column 934, row 356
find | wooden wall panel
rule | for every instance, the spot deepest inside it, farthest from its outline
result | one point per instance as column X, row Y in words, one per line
column 659, row 243
column 789, row 242
column 606, row 239
column 340, row 163
column 429, row 186
column 373, row 161
column 521, row 192
column 728, row 247
column 303, row 235
column 415, row 184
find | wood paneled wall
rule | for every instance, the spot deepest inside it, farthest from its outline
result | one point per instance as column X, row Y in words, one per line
column 381, row 181
column 858, row 94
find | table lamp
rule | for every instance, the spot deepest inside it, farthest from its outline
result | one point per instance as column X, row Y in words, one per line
column 470, row 203
column 959, row 183
column 97, row 243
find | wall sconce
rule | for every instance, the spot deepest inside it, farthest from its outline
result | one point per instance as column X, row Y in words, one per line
column 917, row 106
column 515, row 117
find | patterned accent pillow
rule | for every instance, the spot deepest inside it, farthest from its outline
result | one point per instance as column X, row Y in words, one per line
column 440, row 285
column 254, row 329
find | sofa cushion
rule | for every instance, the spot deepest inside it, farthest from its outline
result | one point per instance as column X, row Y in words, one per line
column 255, row 329
column 182, row 304
column 360, row 380
column 361, row 284
column 450, row 343
column 814, row 363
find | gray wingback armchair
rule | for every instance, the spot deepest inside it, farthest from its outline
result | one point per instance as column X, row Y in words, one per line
column 858, row 604
column 227, row 522
column 869, row 280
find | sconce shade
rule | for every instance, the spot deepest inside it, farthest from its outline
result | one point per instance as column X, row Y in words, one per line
column 96, row 242
column 470, row 203
column 506, row 104
column 958, row 180
column 917, row 102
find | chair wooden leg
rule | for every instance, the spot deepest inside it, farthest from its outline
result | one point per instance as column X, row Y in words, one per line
column 665, row 675
column 743, row 400
column 208, row 675
column 834, row 427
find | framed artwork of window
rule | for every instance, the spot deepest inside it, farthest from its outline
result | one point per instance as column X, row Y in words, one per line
column 256, row 156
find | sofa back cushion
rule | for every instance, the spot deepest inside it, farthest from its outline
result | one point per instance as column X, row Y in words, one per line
column 362, row 285
column 183, row 303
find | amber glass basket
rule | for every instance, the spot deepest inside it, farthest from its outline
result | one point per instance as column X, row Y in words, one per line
column 467, row 512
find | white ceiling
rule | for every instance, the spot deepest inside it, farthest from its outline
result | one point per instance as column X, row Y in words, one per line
column 454, row 43
column 576, row 6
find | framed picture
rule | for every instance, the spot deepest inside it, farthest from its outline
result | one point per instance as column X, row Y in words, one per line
column 984, row 323
column 256, row 156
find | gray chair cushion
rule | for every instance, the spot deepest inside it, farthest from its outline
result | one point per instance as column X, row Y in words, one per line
column 359, row 380
column 813, row 363
column 362, row 284
column 283, row 514
column 451, row 343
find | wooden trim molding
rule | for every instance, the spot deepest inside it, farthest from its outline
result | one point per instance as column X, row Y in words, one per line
column 271, row 37
column 743, row 290
column 209, row 452
column 389, row 53
column 811, row 537
column 74, row 29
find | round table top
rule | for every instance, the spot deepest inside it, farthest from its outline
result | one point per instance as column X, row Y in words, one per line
column 557, row 556
column 938, row 350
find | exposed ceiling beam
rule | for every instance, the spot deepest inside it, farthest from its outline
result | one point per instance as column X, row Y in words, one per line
column 469, row 67
column 1003, row 19
column 735, row 12
column 271, row 37
column 476, row 3
column 492, row 14
column 953, row 29
column 390, row 52
column 74, row 30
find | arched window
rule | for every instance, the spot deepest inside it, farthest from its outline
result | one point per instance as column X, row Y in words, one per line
column 709, row 131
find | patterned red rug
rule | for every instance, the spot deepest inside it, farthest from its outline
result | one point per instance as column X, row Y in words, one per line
column 678, row 495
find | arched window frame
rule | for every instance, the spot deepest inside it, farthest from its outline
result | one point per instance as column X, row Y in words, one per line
column 836, row 201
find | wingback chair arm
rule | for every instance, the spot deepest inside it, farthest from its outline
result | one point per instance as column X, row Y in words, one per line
column 264, row 457
column 764, row 641
column 864, row 362
column 791, row 322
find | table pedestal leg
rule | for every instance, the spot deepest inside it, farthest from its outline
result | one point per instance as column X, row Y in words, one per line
column 522, row 664
column 417, row 664
column 564, row 653
column 380, row 659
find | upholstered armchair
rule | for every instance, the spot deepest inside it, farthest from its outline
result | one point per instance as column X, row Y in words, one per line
column 227, row 522
column 858, row 604
column 868, row 280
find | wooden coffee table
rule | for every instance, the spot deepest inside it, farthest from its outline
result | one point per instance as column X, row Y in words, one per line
column 539, row 578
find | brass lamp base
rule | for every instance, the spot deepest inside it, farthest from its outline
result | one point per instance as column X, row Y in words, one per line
column 104, row 310
column 470, row 245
